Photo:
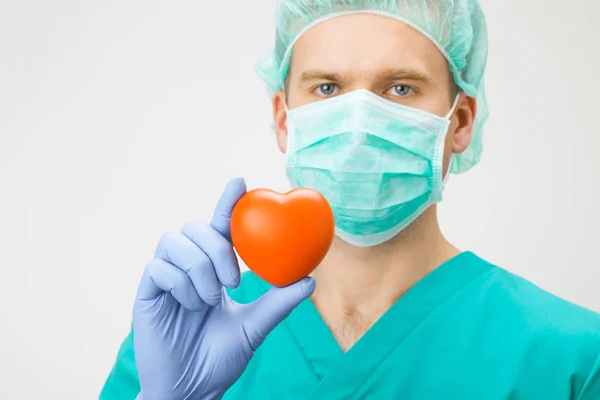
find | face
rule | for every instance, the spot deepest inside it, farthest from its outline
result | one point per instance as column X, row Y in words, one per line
column 380, row 54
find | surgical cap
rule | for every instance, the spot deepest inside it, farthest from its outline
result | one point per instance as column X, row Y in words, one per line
column 456, row 27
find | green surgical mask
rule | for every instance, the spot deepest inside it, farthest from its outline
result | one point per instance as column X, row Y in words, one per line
column 378, row 163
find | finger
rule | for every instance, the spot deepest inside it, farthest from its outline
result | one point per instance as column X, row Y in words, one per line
column 180, row 251
column 262, row 316
column 218, row 249
column 235, row 189
column 161, row 276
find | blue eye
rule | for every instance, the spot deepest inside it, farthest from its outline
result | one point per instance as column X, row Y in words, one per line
column 327, row 89
column 400, row 90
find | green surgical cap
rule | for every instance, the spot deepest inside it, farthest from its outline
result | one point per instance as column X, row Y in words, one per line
column 456, row 27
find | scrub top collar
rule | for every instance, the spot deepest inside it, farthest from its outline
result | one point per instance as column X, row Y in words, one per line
column 333, row 369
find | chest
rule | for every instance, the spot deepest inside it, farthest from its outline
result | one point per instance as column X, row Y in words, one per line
column 349, row 328
column 382, row 365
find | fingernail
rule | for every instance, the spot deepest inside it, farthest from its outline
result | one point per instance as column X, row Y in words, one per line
column 309, row 283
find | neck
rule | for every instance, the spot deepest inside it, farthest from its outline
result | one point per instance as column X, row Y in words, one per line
column 372, row 279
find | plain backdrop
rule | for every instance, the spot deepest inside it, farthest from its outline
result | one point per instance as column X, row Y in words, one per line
column 121, row 120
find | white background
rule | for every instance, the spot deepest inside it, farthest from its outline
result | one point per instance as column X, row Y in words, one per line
column 121, row 120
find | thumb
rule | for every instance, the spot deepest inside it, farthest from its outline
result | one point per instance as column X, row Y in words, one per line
column 264, row 314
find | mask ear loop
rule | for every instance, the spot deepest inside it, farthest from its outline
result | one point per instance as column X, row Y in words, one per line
column 454, row 105
column 452, row 110
column 445, row 180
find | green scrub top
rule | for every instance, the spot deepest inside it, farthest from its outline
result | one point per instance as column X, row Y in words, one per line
column 468, row 330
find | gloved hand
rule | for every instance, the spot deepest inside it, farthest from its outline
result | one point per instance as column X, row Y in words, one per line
column 191, row 341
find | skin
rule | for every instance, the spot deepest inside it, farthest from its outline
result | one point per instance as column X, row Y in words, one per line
column 355, row 285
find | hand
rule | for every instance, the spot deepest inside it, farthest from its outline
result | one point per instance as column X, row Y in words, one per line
column 190, row 339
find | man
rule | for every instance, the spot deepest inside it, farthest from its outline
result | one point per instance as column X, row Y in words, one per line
column 375, row 103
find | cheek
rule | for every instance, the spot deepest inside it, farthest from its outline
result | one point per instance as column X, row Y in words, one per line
column 298, row 96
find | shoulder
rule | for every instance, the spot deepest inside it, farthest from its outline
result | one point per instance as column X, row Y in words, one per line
column 542, row 310
column 251, row 287
column 548, row 329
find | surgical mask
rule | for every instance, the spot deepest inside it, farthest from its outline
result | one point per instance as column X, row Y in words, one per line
column 378, row 163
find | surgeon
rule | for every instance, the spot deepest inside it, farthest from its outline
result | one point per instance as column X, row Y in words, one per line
column 375, row 105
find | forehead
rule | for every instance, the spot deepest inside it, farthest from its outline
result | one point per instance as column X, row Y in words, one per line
column 363, row 43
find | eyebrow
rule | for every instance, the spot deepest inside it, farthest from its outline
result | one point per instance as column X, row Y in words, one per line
column 389, row 74
column 320, row 75
column 410, row 74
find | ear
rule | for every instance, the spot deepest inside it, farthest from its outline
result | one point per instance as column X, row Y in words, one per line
column 462, row 123
column 280, row 120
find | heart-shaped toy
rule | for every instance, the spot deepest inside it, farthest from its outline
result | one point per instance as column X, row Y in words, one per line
column 282, row 238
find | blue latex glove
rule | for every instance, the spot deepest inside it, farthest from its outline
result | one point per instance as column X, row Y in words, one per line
column 191, row 341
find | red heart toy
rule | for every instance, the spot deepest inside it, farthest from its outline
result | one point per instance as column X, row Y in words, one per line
column 282, row 238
